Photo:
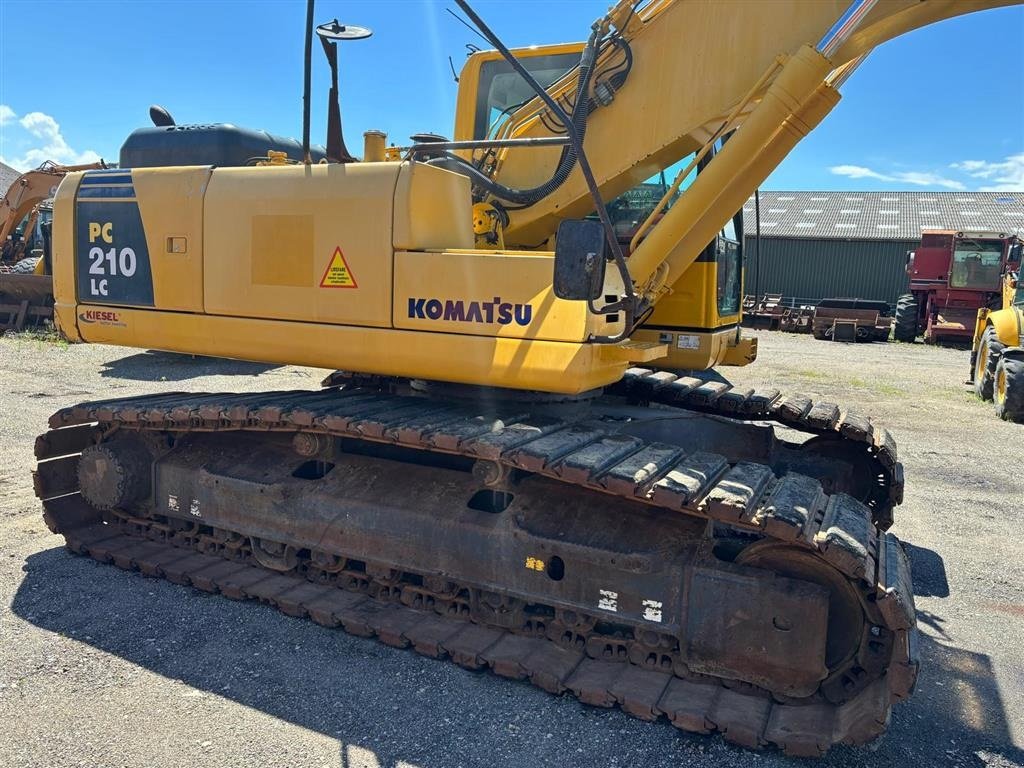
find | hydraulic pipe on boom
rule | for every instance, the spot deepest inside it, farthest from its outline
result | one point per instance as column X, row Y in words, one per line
column 793, row 105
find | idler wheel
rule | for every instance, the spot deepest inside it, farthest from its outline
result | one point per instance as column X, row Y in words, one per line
column 115, row 474
column 845, row 612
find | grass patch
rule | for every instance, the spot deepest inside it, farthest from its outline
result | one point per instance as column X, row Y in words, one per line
column 813, row 374
column 39, row 336
column 877, row 387
column 964, row 395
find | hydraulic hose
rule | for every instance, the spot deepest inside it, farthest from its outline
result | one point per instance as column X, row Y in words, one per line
column 568, row 159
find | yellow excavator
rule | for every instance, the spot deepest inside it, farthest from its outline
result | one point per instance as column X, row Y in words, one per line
column 26, row 291
column 515, row 466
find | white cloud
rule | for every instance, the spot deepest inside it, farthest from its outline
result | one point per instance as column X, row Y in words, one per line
column 856, row 172
column 1006, row 176
column 49, row 143
column 919, row 178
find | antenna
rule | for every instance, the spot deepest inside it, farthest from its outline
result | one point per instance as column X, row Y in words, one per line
column 306, row 82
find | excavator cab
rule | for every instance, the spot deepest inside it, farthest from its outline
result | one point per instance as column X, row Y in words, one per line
column 700, row 334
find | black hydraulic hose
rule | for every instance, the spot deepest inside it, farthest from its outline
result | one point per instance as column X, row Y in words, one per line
column 569, row 157
column 629, row 304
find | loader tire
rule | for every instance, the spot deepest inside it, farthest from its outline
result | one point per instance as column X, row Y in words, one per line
column 987, row 357
column 1008, row 389
column 905, row 327
column 26, row 266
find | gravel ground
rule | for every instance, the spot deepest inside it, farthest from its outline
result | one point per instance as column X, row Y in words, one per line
column 99, row 667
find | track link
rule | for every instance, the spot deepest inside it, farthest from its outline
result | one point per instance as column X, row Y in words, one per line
column 744, row 496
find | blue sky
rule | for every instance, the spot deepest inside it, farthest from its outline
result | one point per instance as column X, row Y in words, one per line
column 939, row 109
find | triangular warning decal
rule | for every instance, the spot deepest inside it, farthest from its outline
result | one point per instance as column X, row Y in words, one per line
column 338, row 275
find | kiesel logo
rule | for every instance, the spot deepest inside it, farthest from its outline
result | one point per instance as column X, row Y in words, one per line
column 497, row 311
column 104, row 316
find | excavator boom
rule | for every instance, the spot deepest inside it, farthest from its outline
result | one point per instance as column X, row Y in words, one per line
column 694, row 64
column 769, row 72
column 32, row 188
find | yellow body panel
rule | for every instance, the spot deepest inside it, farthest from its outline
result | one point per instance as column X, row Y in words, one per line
column 63, row 247
column 687, row 320
column 693, row 349
column 276, row 231
column 171, row 204
column 270, row 238
column 486, row 293
column 500, row 362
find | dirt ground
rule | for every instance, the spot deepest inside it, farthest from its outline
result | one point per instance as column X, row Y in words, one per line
column 99, row 667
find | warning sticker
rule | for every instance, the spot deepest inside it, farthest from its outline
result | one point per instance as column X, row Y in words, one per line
column 338, row 275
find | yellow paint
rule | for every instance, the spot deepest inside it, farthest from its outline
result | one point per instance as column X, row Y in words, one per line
column 717, row 346
column 534, row 564
column 465, row 284
column 374, row 150
column 350, row 206
column 432, row 209
column 63, row 246
column 171, row 206
column 282, row 250
column 503, row 362
column 1007, row 322
column 101, row 229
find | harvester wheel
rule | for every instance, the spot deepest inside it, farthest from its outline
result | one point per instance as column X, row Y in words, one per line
column 26, row 266
column 989, row 350
column 1008, row 389
column 905, row 327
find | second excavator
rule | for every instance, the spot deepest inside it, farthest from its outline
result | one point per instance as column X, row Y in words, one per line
column 26, row 292
column 512, row 468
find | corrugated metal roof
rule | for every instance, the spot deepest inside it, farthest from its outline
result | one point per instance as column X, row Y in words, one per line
column 7, row 177
column 883, row 215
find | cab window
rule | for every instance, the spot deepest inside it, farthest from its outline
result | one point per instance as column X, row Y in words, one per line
column 976, row 264
column 502, row 89
column 730, row 273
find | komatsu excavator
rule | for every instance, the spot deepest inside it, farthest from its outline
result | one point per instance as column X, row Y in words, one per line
column 511, row 468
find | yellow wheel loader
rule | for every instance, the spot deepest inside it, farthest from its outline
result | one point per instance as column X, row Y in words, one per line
column 997, row 356
column 512, row 468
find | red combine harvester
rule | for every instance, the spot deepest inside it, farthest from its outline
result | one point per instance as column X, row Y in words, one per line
column 953, row 275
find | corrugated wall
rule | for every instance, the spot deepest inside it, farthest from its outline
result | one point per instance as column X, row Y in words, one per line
column 817, row 269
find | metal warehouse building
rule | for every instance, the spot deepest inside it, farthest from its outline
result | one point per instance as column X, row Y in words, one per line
column 816, row 245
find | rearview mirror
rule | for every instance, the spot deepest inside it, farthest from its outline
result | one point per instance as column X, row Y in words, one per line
column 580, row 258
